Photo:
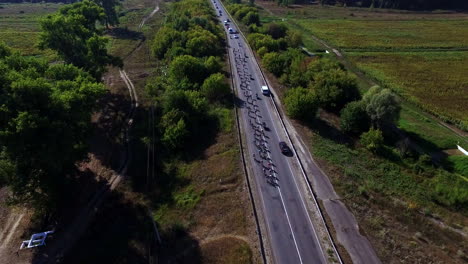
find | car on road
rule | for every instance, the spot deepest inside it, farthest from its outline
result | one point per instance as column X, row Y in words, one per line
column 236, row 37
column 231, row 31
column 265, row 90
column 285, row 148
column 228, row 20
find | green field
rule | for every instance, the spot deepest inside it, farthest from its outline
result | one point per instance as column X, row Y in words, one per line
column 377, row 34
column 436, row 81
column 19, row 26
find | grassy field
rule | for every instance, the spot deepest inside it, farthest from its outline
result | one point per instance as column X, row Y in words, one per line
column 376, row 34
column 436, row 81
column 19, row 26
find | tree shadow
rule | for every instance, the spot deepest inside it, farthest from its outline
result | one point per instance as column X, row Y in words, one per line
column 328, row 131
column 120, row 233
column 125, row 33
column 179, row 247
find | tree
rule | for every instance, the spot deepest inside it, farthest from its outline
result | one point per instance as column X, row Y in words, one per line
column 202, row 43
column 321, row 65
column 111, row 18
column 382, row 106
column 335, row 88
column 294, row 39
column 301, row 103
column 275, row 30
column 215, row 87
column 354, row 118
column 274, row 63
column 175, row 131
column 165, row 39
column 45, row 117
column 187, row 72
column 72, row 33
column 251, row 18
column 372, row 140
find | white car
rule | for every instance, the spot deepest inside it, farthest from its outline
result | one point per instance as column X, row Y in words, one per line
column 236, row 37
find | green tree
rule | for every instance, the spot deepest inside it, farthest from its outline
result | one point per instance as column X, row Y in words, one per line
column 320, row 65
column 165, row 39
column 187, row 72
column 45, row 119
column 335, row 88
column 72, row 33
column 354, row 118
column 294, row 39
column 274, row 63
column 175, row 132
column 202, row 43
column 251, row 18
column 275, row 30
column 382, row 106
column 372, row 140
column 215, row 87
column 111, row 18
column 301, row 103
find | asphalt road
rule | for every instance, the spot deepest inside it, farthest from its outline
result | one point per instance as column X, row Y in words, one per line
column 291, row 232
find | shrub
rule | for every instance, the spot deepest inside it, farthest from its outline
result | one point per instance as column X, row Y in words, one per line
column 450, row 190
column 301, row 103
column 335, row 88
column 215, row 87
column 372, row 140
column 275, row 30
column 354, row 118
column 274, row 63
column 251, row 18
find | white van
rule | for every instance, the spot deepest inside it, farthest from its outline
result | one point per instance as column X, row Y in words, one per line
column 265, row 90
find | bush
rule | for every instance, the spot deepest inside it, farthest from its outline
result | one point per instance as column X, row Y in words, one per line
column 354, row 118
column 274, row 63
column 251, row 18
column 301, row 103
column 450, row 190
column 335, row 88
column 459, row 164
column 275, row 30
column 372, row 140
column 215, row 87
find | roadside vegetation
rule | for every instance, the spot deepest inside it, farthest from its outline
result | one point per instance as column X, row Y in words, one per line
column 197, row 197
column 356, row 135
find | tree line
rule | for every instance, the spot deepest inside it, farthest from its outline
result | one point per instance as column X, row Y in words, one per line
column 191, row 87
column 45, row 109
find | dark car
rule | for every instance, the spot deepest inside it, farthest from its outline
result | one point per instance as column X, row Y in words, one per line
column 285, row 149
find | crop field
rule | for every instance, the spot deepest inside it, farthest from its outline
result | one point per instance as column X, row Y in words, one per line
column 19, row 26
column 377, row 34
column 437, row 81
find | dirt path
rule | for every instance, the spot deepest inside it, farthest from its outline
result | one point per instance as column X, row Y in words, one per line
column 9, row 229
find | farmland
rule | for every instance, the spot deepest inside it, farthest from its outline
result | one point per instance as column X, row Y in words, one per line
column 19, row 26
column 436, row 81
column 377, row 34
column 420, row 55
